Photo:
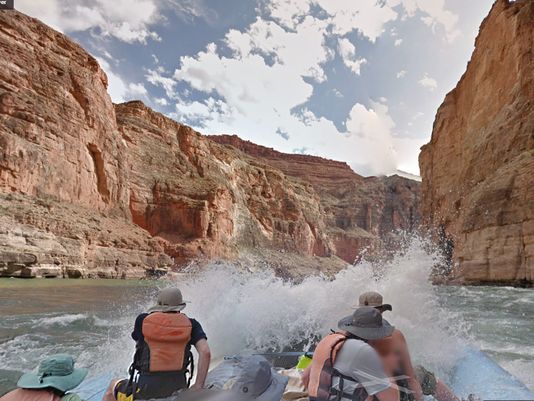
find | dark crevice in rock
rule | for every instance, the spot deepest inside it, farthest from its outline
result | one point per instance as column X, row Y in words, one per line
column 100, row 172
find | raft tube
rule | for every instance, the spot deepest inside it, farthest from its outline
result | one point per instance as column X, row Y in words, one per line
column 475, row 373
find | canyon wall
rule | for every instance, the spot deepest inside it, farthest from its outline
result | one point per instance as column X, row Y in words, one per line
column 93, row 189
column 478, row 169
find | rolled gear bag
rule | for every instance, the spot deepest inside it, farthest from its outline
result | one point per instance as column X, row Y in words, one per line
column 249, row 378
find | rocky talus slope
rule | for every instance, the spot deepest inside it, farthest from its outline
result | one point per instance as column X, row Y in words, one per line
column 93, row 189
column 478, row 169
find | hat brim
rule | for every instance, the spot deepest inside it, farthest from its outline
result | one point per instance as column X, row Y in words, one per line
column 275, row 391
column 61, row 383
column 211, row 395
column 367, row 333
column 382, row 307
column 167, row 308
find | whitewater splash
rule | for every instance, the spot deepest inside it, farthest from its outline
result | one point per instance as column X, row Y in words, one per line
column 256, row 311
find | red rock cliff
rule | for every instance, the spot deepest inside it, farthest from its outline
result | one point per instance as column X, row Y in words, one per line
column 478, row 169
column 89, row 188
column 358, row 212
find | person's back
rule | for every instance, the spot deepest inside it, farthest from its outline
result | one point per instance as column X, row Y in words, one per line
column 359, row 360
column 164, row 337
column 345, row 368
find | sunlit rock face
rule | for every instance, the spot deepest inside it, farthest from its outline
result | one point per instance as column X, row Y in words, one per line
column 358, row 212
column 478, row 169
column 93, row 189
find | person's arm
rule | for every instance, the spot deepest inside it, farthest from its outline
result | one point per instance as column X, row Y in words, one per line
column 406, row 362
column 137, row 333
column 389, row 394
column 204, row 358
column 444, row 393
column 306, row 377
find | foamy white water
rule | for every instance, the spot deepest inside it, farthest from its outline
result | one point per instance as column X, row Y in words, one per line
column 256, row 311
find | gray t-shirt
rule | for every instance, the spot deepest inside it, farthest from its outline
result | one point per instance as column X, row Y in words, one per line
column 360, row 361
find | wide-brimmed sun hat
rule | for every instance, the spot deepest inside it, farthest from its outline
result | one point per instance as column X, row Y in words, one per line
column 169, row 300
column 56, row 371
column 374, row 299
column 248, row 378
column 366, row 322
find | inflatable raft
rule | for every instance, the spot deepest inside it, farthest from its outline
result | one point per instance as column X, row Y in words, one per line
column 475, row 373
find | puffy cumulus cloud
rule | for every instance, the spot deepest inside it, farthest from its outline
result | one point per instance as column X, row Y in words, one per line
column 371, row 129
column 161, row 101
column 138, row 90
column 209, row 113
column 258, row 80
column 347, row 51
column 428, row 82
column 366, row 16
column 401, row 73
column 157, row 78
column 119, row 90
column 125, row 20
column 433, row 13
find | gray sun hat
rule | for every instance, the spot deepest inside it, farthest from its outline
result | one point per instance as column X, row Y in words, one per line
column 56, row 371
column 250, row 378
column 374, row 299
column 210, row 395
column 169, row 300
column 366, row 322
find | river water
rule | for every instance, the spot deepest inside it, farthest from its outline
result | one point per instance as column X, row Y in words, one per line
column 246, row 311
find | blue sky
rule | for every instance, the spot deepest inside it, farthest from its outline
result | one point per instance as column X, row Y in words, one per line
column 351, row 80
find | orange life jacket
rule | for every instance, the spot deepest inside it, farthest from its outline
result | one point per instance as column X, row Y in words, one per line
column 323, row 372
column 167, row 337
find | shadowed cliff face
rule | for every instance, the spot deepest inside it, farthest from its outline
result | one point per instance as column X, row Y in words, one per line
column 478, row 169
column 89, row 188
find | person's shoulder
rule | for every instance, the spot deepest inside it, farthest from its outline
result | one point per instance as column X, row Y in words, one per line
column 398, row 335
column 355, row 343
column 361, row 349
column 194, row 322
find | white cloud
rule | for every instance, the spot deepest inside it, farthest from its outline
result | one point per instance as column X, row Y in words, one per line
column 116, row 87
column 137, row 90
column 428, row 82
column 366, row 16
column 118, row 90
column 347, row 52
column 208, row 113
column 259, row 87
column 127, row 20
column 434, row 15
column 161, row 101
column 156, row 78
